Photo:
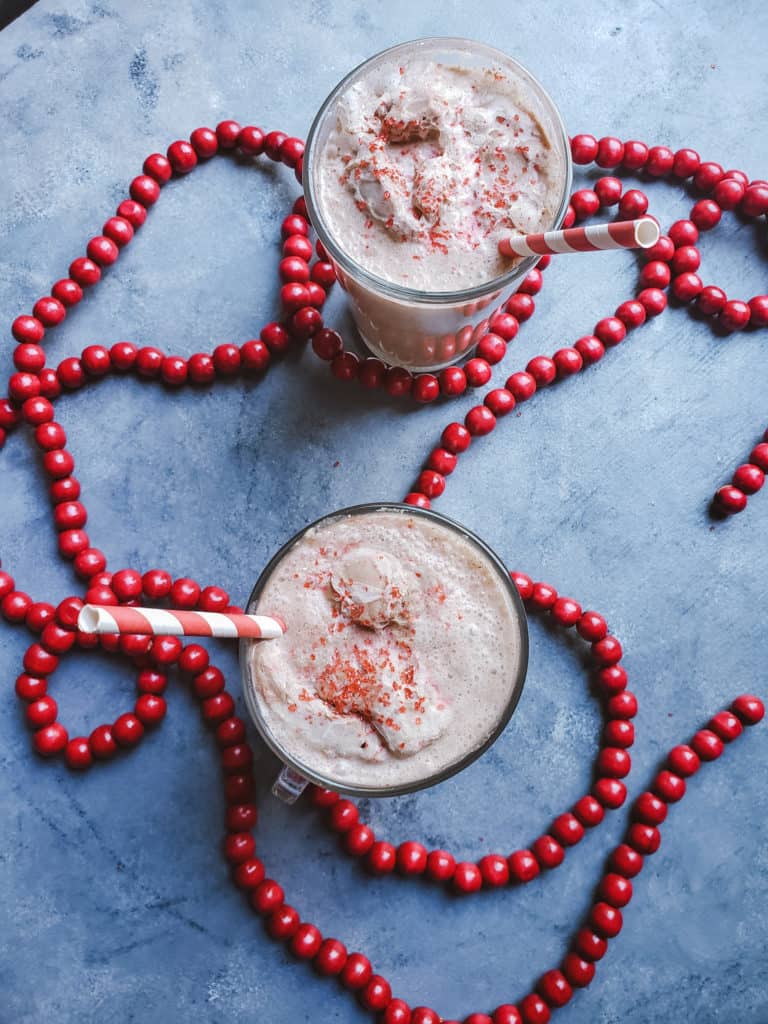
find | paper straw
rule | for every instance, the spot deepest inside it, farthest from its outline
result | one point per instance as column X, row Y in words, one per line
column 624, row 234
column 96, row 618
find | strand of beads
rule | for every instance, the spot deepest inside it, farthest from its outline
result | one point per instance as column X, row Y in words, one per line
column 612, row 765
column 747, row 479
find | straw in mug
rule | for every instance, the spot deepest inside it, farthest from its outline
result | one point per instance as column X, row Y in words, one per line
column 95, row 618
column 641, row 233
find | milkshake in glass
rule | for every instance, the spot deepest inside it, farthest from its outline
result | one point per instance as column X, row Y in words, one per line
column 405, row 653
column 417, row 165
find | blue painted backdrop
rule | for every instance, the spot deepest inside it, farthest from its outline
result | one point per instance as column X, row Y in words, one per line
column 114, row 900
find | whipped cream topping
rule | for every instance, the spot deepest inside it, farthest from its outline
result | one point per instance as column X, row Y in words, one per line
column 428, row 166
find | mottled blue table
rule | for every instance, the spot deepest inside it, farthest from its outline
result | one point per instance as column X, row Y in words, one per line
column 114, row 899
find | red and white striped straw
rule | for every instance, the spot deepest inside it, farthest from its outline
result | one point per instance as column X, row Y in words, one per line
column 624, row 234
column 97, row 618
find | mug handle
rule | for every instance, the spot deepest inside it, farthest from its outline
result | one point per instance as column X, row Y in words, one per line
column 289, row 785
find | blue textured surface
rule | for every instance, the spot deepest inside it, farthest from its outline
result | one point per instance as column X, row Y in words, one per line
column 114, row 900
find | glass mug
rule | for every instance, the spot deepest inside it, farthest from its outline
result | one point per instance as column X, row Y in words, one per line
column 295, row 775
column 408, row 327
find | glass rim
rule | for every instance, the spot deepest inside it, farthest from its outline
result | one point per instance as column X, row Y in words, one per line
column 390, row 288
column 445, row 773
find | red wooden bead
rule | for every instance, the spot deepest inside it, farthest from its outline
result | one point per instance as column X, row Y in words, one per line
column 272, row 143
column 77, row 753
column 585, row 203
column 589, row 944
column 442, row 461
column 730, row 500
column 706, row 214
column 494, row 870
column 50, row 740
column 267, row 897
column 35, row 410
column 707, row 744
column 200, row 368
column 618, row 733
column 534, row 1010
column 84, row 271
column 343, row 815
column 650, row 809
column 150, row 709
column 548, row 852
column 356, row 972
column 30, row 687
column 239, row 787
column 249, row 874
column 376, row 994
column 184, row 593
column 686, row 259
column 382, row 858
column 542, row 369
column 174, row 371
column 467, row 877
column 758, row 311
column 759, row 455
column 592, row 626
column 615, row 889
column 554, row 988
column 521, row 306
column 42, row 712
column 632, row 204
column 653, row 301
column 608, row 191
column 27, row 329
column 426, row 388
column 669, row 786
column 755, row 201
column 660, row 161
column 663, row 250
column 578, row 972
column 431, row 483
column 239, row 847
column 344, row 366
column 632, row 313
column 119, row 230
column 456, row 438
column 610, row 152
column 726, row 725
column 646, row 839
column 38, row 661
column 605, row 919
column 306, row 941
column 734, row 315
column 611, row 792
column 158, row 167
column 283, row 922
column 411, row 858
column 566, row 611
column 612, row 679
column 218, row 708
column 567, row 361
column 607, row 651
column 614, row 762
column 686, row 286
column 748, row 478
column 102, row 250
column 523, row 583
column 707, row 176
column 686, row 163
column 440, row 865
column 182, row 157
column 29, row 359
column 231, row 732
column 480, row 421
column 50, row 311
column 323, row 273
column 417, row 499
column 38, row 616
column 584, row 149
column 507, row 1014
column 56, row 639
column 655, row 274
column 491, row 348
column 359, row 840
column 521, row 385
column 235, row 758
column 330, row 957
column 543, row 596
column 149, row 361
column 204, row 142
column 683, row 760
column 532, row 283
column 132, row 211
column 523, row 866
column 626, row 861
column 398, row 382
column 611, row 331
column 226, row 359
column 589, row 811
column 635, row 155
column 567, row 829
column 749, row 709
column 102, row 742
column 23, row 386
column 505, row 325
column 127, row 730
column 396, row 1012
